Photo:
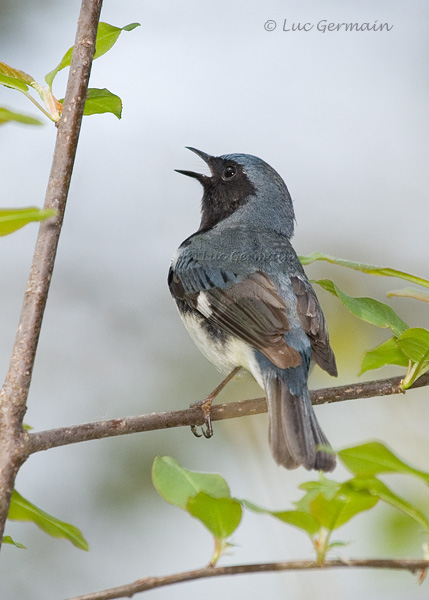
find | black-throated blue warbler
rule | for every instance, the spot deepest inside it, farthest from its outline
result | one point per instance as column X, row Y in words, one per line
column 246, row 301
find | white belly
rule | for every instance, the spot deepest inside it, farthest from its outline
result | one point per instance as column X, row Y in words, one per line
column 224, row 355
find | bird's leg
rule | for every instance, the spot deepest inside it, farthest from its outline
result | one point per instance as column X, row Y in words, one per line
column 206, row 406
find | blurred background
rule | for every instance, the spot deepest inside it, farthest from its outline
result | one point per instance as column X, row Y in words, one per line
column 343, row 117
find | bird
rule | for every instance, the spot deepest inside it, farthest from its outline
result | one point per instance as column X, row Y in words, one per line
column 246, row 301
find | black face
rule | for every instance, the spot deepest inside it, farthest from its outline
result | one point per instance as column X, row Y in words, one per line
column 225, row 191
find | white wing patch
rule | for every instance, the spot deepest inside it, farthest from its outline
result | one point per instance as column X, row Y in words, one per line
column 175, row 258
column 203, row 305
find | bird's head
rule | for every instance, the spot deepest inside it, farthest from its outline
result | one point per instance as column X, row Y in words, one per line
column 246, row 190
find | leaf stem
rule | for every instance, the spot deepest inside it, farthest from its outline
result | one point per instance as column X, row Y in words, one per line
column 321, row 544
column 39, row 106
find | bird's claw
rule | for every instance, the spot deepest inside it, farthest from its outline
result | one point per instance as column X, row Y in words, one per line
column 207, row 429
column 195, row 431
column 206, row 407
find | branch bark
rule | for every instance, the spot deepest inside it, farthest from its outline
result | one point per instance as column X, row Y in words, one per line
column 14, row 393
column 150, row 583
column 63, row 436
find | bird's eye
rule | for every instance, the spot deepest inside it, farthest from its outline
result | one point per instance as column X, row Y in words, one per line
column 229, row 172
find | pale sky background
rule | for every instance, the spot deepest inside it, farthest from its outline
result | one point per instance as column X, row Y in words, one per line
column 343, row 117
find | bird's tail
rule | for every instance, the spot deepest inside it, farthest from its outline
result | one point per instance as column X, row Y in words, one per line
column 295, row 434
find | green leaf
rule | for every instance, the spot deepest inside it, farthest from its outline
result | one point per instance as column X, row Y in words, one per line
column 347, row 503
column 338, row 544
column 372, row 270
column 8, row 115
column 409, row 292
column 377, row 488
column 12, row 219
column 15, row 84
column 374, row 458
column 15, row 74
column 102, row 101
column 14, row 78
column 414, row 343
column 176, row 484
column 367, row 309
column 386, row 353
column 298, row 518
column 8, row 540
column 325, row 486
column 106, row 38
column 23, row 510
column 221, row 516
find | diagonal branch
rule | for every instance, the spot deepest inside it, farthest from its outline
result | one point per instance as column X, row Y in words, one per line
column 150, row 583
column 62, row 436
column 13, row 396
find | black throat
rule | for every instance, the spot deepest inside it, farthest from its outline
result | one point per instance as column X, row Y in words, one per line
column 221, row 199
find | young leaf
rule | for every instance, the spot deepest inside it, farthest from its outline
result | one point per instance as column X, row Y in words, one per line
column 387, row 353
column 347, row 503
column 8, row 115
column 409, row 292
column 177, row 484
column 374, row 458
column 102, row 101
column 337, row 544
column 13, row 83
column 106, row 38
column 14, row 78
column 22, row 510
column 325, row 486
column 8, row 540
column 377, row 488
column 12, row 219
column 414, row 343
column 372, row 270
column 298, row 518
column 367, row 309
column 221, row 516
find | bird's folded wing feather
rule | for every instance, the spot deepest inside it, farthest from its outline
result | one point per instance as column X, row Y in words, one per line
column 248, row 307
column 313, row 322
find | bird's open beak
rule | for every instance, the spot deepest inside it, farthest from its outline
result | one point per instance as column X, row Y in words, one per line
column 206, row 158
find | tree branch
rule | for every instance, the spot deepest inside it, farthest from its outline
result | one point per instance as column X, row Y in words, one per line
column 62, row 436
column 150, row 583
column 14, row 393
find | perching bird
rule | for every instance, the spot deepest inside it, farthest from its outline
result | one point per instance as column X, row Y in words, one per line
column 246, row 301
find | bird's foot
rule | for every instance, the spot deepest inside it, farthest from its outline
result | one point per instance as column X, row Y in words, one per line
column 206, row 407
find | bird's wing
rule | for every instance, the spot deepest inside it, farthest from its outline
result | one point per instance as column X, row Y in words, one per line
column 313, row 322
column 248, row 307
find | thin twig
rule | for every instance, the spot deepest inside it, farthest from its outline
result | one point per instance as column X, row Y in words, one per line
column 13, row 396
column 150, row 583
column 62, row 436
